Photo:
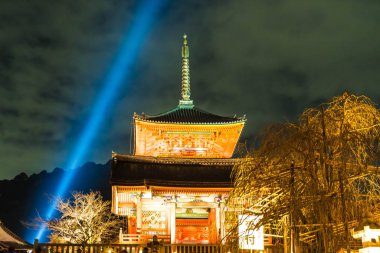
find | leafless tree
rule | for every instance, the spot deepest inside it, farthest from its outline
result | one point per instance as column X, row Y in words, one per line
column 85, row 218
column 318, row 177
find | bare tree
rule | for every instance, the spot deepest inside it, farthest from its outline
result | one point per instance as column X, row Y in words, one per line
column 316, row 177
column 85, row 218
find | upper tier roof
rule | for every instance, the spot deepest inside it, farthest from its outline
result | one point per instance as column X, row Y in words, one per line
column 194, row 115
column 186, row 112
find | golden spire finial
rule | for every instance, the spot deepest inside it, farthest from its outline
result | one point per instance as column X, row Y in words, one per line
column 185, row 48
column 185, row 101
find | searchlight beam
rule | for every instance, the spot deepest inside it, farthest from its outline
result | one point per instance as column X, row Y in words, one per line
column 119, row 72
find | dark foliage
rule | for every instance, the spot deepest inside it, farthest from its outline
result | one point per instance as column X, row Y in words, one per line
column 23, row 197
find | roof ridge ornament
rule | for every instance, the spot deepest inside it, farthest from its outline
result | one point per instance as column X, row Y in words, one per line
column 185, row 102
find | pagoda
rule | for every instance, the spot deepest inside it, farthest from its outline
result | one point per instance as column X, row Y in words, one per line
column 176, row 181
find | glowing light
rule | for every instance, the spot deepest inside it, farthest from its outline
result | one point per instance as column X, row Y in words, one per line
column 120, row 70
column 370, row 239
column 250, row 238
column 180, row 140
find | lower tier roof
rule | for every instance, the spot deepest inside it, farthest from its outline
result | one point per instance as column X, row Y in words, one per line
column 149, row 171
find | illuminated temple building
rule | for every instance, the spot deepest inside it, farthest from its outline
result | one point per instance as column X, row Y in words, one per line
column 176, row 182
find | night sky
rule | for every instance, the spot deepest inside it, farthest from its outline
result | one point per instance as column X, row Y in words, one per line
column 267, row 59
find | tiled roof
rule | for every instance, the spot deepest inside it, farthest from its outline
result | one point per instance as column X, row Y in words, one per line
column 133, row 171
column 10, row 240
column 190, row 115
column 175, row 160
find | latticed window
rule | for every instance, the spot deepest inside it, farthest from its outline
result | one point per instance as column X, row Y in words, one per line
column 127, row 210
column 154, row 222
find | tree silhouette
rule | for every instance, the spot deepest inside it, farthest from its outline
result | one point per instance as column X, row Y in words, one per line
column 85, row 218
column 316, row 177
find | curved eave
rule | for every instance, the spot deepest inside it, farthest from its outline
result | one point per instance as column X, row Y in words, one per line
column 128, row 171
column 15, row 239
column 173, row 160
column 147, row 183
column 141, row 118
column 191, row 115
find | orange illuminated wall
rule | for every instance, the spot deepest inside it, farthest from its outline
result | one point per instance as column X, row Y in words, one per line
column 186, row 140
column 192, row 231
column 197, row 230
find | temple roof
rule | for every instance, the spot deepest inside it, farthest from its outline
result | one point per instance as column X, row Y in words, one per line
column 192, row 115
column 10, row 240
column 195, row 172
column 186, row 112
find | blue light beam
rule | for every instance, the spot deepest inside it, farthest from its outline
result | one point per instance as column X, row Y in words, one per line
column 145, row 16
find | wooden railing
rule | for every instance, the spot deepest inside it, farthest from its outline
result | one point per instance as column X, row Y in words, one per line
column 129, row 248
column 133, row 239
column 86, row 248
column 194, row 248
column 141, row 238
column 143, row 248
column 137, row 248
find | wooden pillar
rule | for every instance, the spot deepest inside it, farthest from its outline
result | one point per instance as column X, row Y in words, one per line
column 35, row 246
column 172, row 222
column 222, row 208
column 217, row 223
column 121, row 236
column 286, row 236
column 115, row 200
column 138, row 214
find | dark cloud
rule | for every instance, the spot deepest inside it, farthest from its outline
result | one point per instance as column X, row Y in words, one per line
column 267, row 59
column 9, row 112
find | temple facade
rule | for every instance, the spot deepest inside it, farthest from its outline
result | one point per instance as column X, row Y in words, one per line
column 176, row 181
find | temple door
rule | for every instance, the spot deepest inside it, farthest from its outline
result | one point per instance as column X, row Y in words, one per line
column 212, row 226
column 132, row 228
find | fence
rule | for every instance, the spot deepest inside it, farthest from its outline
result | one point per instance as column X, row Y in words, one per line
column 86, row 248
column 126, row 248
column 141, row 238
column 139, row 248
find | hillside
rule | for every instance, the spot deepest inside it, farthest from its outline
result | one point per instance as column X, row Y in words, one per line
column 23, row 197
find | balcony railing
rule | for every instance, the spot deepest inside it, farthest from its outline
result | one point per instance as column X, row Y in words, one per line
column 195, row 248
column 141, row 238
column 86, row 248
column 128, row 248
